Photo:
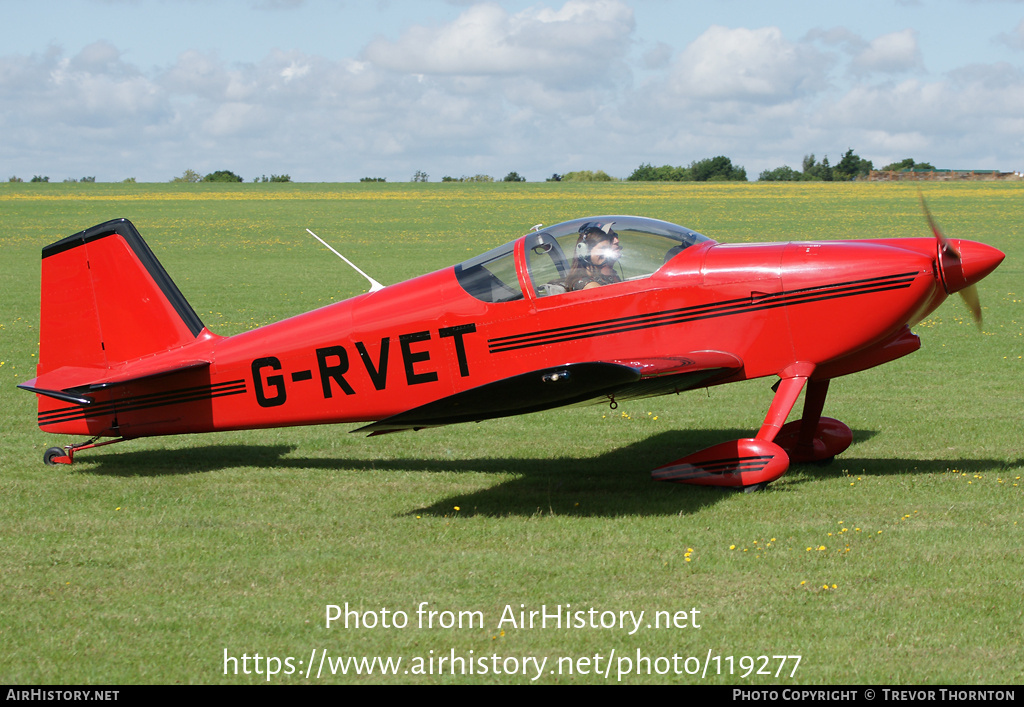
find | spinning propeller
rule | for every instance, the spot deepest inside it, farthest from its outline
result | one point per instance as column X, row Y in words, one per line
column 951, row 267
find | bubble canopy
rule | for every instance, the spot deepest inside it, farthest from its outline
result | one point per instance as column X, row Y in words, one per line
column 643, row 246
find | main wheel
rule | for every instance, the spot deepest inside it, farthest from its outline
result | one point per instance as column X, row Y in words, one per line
column 51, row 455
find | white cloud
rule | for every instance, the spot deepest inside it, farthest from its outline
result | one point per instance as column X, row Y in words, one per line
column 580, row 41
column 548, row 89
column 657, row 57
column 895, row 52
column 234, row 118
column 98, row 57
column 972, row 118
column 92, row 88
column 294, row 71
column 198, row 74
column 756, row 65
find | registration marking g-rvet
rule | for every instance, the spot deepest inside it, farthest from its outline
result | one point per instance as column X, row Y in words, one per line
column 334, row 369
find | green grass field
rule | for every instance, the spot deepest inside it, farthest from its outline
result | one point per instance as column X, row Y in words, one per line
column 151, row 561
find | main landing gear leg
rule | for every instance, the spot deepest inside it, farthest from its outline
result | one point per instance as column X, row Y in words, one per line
column 814, row 438
column 65, row 455
column 745, row 464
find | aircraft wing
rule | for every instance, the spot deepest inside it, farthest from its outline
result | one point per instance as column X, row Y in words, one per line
column 663, row 376
column 565, row 385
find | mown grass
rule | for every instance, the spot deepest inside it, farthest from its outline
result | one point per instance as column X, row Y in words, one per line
column 144, row 562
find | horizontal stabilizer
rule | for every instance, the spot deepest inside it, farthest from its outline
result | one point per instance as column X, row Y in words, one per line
column 57, row 394
column 72, row 384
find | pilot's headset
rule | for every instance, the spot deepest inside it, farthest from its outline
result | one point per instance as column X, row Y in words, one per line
column 592, row 233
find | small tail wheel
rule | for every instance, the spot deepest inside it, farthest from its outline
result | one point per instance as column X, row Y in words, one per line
column 51, row 455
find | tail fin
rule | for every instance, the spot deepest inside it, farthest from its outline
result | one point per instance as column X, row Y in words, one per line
column 106, row 300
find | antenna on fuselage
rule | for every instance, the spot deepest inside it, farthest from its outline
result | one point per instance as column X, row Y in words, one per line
column 374, row 285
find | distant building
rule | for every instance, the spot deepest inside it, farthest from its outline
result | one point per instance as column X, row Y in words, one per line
column 943, row 175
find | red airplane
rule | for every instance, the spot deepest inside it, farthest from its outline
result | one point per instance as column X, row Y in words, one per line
column 605, row 308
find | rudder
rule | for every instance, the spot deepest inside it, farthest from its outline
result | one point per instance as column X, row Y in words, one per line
column 105, row 299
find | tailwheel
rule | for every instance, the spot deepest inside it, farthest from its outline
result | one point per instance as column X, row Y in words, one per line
column 66, row 455
column 56, row 455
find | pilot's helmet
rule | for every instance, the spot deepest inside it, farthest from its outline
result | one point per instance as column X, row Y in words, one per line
column 592, row 233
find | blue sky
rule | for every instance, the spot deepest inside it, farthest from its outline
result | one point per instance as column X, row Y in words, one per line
column 335, row 91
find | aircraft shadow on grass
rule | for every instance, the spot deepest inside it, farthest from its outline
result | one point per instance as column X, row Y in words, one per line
column 611, row 484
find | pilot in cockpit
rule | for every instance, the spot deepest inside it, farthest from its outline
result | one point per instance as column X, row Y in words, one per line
column 594, row 258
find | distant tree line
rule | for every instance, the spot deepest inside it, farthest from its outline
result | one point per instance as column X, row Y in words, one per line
column 191, row 176
column 70, row 180
column 475, row 177
column 222, row 175
column 850, row 167
column 510, row 177
column 909, row 165
column 586, row 176
column 712, row 169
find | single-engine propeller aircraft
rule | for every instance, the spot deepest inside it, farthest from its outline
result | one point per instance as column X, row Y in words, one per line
column 604, row 308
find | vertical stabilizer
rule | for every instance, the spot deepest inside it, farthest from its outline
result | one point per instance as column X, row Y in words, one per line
column 106, row 299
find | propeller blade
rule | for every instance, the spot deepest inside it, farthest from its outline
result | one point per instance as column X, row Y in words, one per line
column 973, row 302
column 939, row 235
column 951, row 265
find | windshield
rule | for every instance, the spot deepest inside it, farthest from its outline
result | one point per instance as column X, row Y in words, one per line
column 602, row 250
column 491, row 277
column 576, row 255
